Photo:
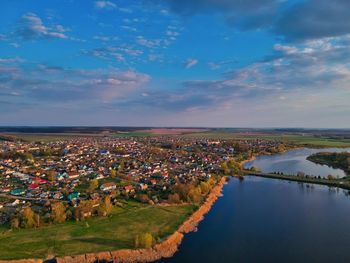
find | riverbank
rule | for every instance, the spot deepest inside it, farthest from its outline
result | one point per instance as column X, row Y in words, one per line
column 334, row 160
column 340, row 183
column 254, row 156
column 164, row 249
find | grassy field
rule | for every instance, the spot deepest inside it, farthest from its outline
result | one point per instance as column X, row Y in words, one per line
column 299, row 139
column 49, row 137
column 306, row 139
column 97, row 234
column 133, row 134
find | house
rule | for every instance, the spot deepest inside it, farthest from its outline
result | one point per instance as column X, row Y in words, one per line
column 37, row 180
column 143, row 186
column 129, row 188
column 108, row 186
column 73, row 175
column 33, row 186
column 17, row 191
column 73, row 196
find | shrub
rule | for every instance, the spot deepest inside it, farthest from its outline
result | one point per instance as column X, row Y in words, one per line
column 145, row 240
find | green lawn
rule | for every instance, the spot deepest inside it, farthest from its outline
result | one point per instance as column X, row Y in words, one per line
column 97, row 234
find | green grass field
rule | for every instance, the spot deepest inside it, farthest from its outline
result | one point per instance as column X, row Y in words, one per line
column 299, row 139
column 118, row 231
column 307, row 139
column 133, row 134
column 50, row 137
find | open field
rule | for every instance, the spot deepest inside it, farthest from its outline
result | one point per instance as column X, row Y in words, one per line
column 49, row 137
column 307, row 139
column 118, row 231
column 295, row 138
column 133, row 134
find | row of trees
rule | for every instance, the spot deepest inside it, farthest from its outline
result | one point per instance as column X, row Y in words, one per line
column 191, row 192
column 231, row 167
column 59, row 213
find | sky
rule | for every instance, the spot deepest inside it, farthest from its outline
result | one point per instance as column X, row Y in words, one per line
column 195, row 63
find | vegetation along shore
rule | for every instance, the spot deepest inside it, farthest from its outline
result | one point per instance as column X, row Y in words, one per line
column 164, row 249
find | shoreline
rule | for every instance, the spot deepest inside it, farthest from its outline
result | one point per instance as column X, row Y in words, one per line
column 340, row 183
column 165, row 249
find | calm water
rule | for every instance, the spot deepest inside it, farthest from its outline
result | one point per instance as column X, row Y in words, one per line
column 294, row 161
column 267, row 220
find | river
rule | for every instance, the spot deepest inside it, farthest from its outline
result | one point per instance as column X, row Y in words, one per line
column 268, row 220
column 294, row 161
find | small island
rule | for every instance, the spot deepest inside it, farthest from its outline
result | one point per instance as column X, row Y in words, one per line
column 334, row 160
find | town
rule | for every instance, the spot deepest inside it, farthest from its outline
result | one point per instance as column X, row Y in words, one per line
column 77, row 178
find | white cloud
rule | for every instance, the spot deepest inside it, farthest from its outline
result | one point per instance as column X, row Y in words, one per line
column 150, row 43
column 32, row 27
column 11, row 60
column 190, row 63
column 102, row 4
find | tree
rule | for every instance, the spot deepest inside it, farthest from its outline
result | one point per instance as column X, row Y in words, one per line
column 194, row 195
column 301, row 174
column 234, row 166
column 83, row 210
column 93, row 185
column 58, row 212
column 27, row 156
column 105, row 207
column 174, row 198
column 204, row 186
column 254, row 169
column 37, row 220
column 143, row 198
column 211, row 182
column 113, row 173
column 15, row 223
column 281, row 148
column 51, row 175
column 144, row 241
column 27, row 219
column 330, row 177
column 183, row 190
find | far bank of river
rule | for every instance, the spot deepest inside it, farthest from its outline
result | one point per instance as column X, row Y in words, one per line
column 294, row 161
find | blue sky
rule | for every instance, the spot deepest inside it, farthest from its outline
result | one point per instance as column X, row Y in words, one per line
column 219, row 63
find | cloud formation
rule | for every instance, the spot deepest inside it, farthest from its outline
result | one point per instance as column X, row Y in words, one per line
column 31, row 27
column 47, row 83
column 104, row 4
column 296, row 21
column 190, row 63
column 248, row 14
column 314, row 19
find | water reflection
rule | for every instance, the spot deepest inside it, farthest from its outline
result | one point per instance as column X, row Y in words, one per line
column 294, row 161
column 268, row 220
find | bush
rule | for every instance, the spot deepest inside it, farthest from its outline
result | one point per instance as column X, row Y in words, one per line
column 15, row 223
column 174, row 198
column 58, row 212
column 143, row 198
column 145, row 240
column 27, row 218
column 195, row 195
column 204, row 186
column 105, row 207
